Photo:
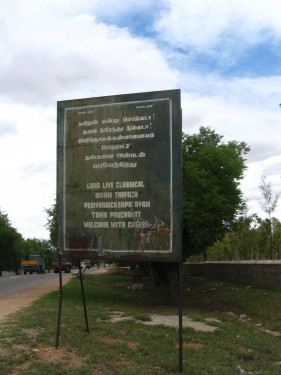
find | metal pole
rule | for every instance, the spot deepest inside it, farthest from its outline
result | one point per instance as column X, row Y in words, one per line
column 83, row 297
column 180, row 313
column 60, row 304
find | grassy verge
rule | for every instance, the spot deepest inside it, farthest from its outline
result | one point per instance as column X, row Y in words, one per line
column 246, row 340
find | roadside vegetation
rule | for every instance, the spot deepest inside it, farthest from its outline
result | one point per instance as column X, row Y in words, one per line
column 252, row 238
column 13, row 247
column 216, row 225
column 246, row 339
column 247, row 322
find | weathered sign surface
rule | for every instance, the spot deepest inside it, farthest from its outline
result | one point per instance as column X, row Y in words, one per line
column 119, row 176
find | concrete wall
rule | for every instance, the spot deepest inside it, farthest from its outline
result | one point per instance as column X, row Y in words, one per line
column 263, row 274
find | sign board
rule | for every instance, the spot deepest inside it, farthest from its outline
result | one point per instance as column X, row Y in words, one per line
column 119, row 176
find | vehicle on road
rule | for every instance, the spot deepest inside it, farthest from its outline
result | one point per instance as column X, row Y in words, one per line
column 66, row 265
column 33, row 263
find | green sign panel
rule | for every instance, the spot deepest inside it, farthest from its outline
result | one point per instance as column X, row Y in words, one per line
column 119, row 176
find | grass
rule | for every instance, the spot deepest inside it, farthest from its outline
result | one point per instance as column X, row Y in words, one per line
column 240, row 345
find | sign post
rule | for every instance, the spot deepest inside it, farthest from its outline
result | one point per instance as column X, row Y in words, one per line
column 119, row 178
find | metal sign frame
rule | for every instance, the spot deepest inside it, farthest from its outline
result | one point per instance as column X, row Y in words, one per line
column 119, row 176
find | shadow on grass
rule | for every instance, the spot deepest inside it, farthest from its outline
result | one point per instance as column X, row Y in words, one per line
column 114, row 289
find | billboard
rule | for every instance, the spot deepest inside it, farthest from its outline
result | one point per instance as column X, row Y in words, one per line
column 119, row 176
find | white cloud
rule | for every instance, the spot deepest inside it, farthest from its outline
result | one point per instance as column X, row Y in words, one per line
column 271, row 168
column 243, row 110
column 243, row 105
column 61, row 58
column 6, row 128
column 28, row 166
column 69, row 49
column 218, row 25
column 79, row 55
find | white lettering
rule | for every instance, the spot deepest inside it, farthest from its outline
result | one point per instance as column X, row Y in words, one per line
column 110, row 120
column 120, row 164
column 126, row 194
column 87, row 123
column 99, row 157
column 111, row 130
column 93, row 185
column 103, row 195
column 96, row 224
column 130, row 128
column 138, row 224
column 99, row 215
column 129, row 184
column 91, row 131
column 114, row 138
column 142, row 204
column 107, row 185
column 118, row 224
column 125, row 155
column 125, row 214
column 107, row 205
column 115, row 147
column 136, row 118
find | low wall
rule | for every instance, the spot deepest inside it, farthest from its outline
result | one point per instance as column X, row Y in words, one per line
column 263, row 274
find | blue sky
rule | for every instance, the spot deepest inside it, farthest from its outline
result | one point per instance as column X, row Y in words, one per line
column 224, row 55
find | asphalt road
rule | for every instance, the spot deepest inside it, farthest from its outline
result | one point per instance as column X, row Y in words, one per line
column 14, row 284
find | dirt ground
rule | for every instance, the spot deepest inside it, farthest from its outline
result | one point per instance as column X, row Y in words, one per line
column 13, row 302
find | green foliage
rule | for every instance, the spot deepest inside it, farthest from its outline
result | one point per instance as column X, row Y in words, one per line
column 10, row 244
column 276, row 236
column 35, row 246
column 13, row 247
column 212, row 198
column 269, row 204
column 52, row 224
column 251, row 239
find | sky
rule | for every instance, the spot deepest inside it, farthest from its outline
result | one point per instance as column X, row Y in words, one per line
column 224, row 56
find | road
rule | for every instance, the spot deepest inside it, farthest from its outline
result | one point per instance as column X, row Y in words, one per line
column 14, row 284
column 20, row 291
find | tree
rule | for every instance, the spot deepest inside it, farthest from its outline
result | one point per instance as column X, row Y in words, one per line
column 10, row 245
column 270, row 200
column 52, row 224
column 247, row 241
column 35, row 246
column 268, row 205
column 212, row 199
column 276, row 234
